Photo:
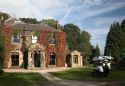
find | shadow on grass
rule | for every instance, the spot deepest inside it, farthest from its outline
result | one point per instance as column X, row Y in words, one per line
column 21, row 79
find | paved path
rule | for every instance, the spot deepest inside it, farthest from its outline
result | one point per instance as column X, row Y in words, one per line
column 37, row 70
column 50, row 77
column 55, row 81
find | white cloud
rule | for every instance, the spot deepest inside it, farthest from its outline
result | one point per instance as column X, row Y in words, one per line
column 94, row 2
column 32, row 8
column 107, row 21
column 66, row 15
column 96, row 32
column 92, row 11
column 48, row 17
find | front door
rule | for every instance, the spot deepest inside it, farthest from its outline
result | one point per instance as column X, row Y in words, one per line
column 37, row 59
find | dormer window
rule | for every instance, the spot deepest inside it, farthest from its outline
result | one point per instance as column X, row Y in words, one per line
column 34, row 39
column 52, row 39
column 15, row 39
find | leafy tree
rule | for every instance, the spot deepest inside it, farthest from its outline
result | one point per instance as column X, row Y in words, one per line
column 52, row 23
column 73, row 36
column 85, row 45
column 29, row 20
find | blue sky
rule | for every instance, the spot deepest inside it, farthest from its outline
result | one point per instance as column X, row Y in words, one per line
column 94, row 16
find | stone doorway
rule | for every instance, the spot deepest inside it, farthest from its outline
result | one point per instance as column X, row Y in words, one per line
column 37, row 59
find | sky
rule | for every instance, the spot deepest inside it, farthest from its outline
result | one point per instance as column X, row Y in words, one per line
column 93, row 16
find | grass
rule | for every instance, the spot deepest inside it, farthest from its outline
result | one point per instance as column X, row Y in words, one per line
column 85, row 74
column 21, row 79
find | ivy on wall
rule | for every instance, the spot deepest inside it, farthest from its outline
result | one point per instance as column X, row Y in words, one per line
column 59, row 48
column 8, row 47
column 36, row 33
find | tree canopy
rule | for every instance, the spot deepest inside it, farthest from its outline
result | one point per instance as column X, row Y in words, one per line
column 97, row 51
column 73, row 36
column 84, row 44
column 29, row 20
column 115, row 42
column 51, row 23
column 77, row 40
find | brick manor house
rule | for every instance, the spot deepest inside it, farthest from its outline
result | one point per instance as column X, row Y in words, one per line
column 33, row 45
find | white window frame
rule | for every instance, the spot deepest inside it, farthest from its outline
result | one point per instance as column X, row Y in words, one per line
column 34, row 39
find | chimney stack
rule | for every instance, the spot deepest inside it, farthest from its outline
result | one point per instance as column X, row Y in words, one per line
column 57, row 25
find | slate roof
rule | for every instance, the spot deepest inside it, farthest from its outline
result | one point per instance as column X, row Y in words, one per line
column 34, row 27
column 29, row 27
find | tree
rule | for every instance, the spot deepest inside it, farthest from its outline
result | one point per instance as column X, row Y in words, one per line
column 114, row 41
column 85, row 45
column 51, row 23
column 73, row 36
column 92, row 55
column 97, row 51
column 123, row 37
column 29, row 20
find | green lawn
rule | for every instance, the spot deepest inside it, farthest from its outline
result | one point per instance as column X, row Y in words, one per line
column 21, row 79
column 85, row 74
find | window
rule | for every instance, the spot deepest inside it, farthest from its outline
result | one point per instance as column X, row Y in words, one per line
column 34, row 39
column 52, row 59
column 15, row 39
column 75, row 57
column 15, row 59
column 52, row 39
